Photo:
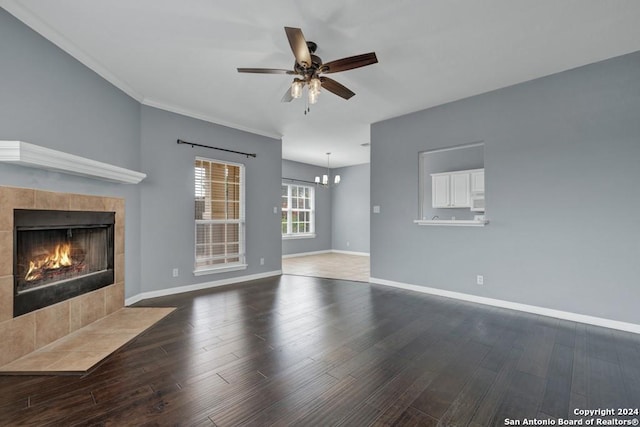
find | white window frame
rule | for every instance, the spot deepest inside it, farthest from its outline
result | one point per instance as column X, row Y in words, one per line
column 289, row 211
column 228, row 266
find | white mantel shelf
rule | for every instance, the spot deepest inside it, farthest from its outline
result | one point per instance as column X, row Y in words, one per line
column 452, row 222
column 35, row 156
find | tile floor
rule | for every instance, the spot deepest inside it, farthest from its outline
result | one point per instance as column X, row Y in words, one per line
column 329, row 265
column 79, row 351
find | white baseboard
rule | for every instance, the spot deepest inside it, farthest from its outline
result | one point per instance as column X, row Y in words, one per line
column 336, row 251
column 198, row 286
column 306, row 254
column 565, row 315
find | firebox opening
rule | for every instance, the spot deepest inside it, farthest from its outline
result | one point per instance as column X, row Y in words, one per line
column 48, row 256
column 59, row 255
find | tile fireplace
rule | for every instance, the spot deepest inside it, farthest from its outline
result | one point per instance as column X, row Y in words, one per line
column 71, row 251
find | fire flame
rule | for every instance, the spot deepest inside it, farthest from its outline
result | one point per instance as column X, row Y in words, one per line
column 60, row 257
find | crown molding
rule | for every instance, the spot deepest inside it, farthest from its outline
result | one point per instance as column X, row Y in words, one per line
column 34, row 22
column 35, row 156
column 195, row 115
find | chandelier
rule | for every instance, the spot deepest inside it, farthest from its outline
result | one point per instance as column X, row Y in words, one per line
column 324, row 181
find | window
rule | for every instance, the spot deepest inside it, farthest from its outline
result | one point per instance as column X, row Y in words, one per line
column 298, row 211
column 219, row 216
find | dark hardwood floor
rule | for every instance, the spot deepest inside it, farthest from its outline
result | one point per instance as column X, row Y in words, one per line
column 304, row 351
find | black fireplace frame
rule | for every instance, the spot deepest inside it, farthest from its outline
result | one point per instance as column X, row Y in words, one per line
column 35, row 219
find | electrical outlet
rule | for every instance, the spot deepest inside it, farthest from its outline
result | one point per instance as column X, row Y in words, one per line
column 480, row 279
column 176, row 272
column 261, row 261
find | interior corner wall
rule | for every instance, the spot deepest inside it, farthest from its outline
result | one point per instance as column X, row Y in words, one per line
column 50, row 99
column 561, row 173
column 322, row 241
column 168, row 205
column 350, row 209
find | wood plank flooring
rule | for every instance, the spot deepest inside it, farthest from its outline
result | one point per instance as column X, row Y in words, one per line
column 304, row 351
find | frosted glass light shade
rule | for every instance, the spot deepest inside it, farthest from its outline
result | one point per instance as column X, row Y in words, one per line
column 313, row 96
column 314, row 85
column 296, row 89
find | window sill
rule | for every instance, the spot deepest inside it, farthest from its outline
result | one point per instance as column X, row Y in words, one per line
column 224, row 269
column 452, row 222
column 299, row 236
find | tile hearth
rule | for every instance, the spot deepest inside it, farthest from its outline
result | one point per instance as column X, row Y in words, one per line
column 83, row 349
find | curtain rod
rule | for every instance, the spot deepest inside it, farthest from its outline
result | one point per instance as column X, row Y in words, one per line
column 299, row 180
column 193, row 144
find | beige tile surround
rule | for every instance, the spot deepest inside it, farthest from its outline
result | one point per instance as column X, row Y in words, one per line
column 27, row 333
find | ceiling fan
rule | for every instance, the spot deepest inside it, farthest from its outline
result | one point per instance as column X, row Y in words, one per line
column 309, row 69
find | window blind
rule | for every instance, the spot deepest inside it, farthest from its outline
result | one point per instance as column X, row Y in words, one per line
column 219, row 214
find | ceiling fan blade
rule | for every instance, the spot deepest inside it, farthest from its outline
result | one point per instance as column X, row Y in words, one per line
column 287, row 96
column 299, row 46
column 349, row 63
column 265, row 71
column 336, row 88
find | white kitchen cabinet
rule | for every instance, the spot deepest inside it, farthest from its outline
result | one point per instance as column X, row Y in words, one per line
column 477, row 181
column 451, row 189
column 460, row 195
column 441, row 190
column 477, row 191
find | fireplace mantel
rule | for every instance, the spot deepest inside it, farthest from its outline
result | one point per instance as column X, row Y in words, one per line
column 35, row 156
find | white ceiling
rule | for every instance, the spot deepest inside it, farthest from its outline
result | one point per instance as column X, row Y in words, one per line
column 182, row 55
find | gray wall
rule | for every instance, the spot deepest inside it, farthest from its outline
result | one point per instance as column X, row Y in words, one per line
column 167, row 196
column 561, row 164
column 322, row 241
column 350, row 209
column 463, row 158
column 50, row 99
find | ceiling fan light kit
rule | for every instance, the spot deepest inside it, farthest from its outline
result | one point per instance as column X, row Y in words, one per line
column 309, row 68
